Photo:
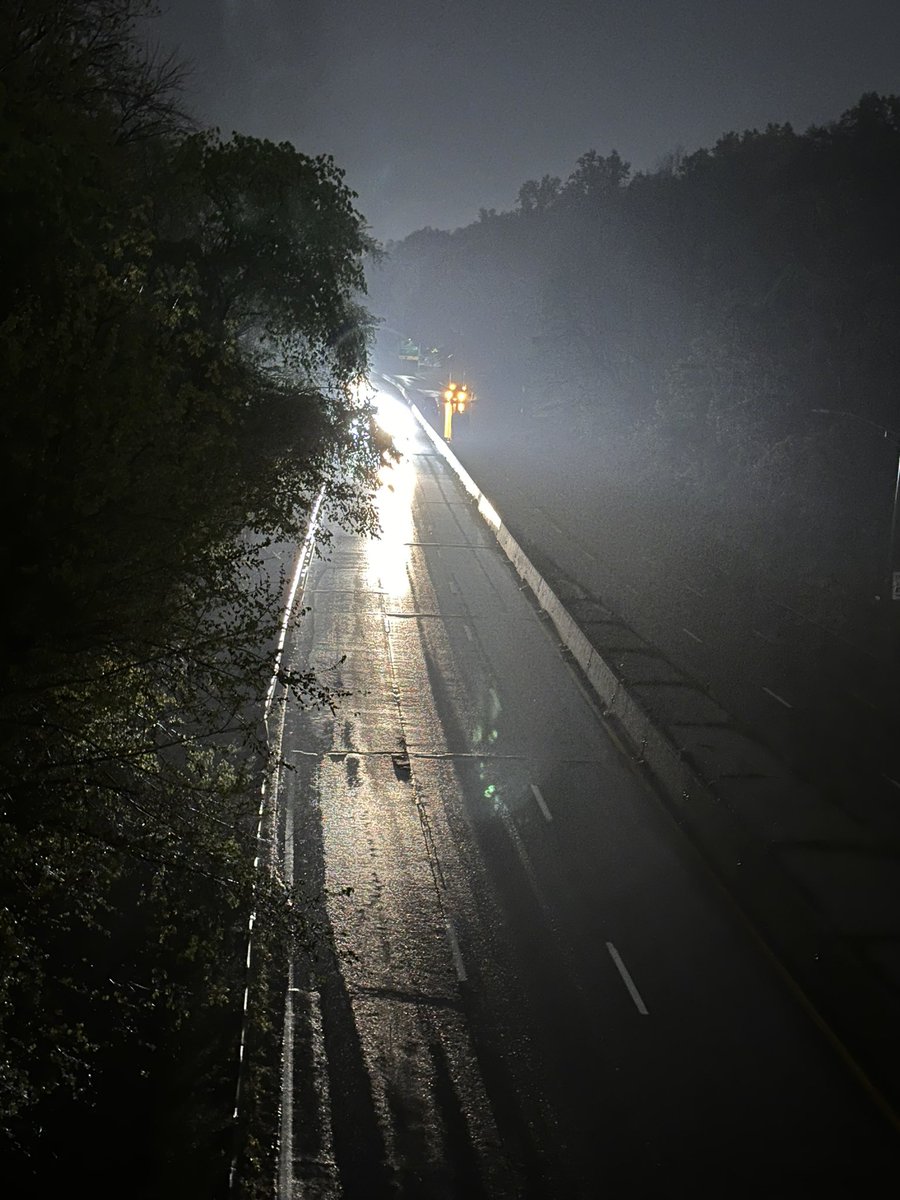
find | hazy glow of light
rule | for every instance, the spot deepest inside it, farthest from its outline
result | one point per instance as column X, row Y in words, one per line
column 388, row 554
column 395, row 418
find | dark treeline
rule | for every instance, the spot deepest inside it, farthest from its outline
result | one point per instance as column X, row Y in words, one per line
column 179, row 340
column 673, row 331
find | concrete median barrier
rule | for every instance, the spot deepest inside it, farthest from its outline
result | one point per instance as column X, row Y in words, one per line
column 715, row 781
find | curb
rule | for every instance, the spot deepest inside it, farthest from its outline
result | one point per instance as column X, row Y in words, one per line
column 853, row 1009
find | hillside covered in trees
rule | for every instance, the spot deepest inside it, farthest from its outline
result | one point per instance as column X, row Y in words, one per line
column 707, row 346
column 180, row 335
column 711, row 344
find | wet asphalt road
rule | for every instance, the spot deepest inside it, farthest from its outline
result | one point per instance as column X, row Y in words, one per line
column 524, row 983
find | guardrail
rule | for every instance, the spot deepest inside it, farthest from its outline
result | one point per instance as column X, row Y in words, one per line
column 852, row 1008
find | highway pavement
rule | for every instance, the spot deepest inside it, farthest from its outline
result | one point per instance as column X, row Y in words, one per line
column 520, row 979
column 826, row 703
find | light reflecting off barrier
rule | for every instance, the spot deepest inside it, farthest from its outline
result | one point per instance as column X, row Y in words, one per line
column 489, row 513
column 388, row 554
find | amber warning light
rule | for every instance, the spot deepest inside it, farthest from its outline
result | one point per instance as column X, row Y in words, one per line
column 457, row 397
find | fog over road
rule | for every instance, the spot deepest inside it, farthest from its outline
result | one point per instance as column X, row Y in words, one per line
column 823, row 701
column 525, row 982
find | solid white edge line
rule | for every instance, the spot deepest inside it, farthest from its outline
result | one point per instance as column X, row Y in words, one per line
column 302, row 561
column 285, row 1181
column 627, row 980
column 286, row 1124
column 542, row 804
column 455, row 951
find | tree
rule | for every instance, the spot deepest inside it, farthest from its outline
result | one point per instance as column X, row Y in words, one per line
column 538, row 196
column 596, row 177
column 700, row 311
column 180, row 335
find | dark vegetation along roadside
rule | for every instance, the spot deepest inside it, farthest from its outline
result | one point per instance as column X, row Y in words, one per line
column 704, row 354
column 708, row 348
column 179, row 336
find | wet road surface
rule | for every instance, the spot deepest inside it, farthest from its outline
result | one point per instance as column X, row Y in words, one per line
column 523, row 982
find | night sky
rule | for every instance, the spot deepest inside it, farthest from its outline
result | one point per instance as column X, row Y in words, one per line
column 440, row 107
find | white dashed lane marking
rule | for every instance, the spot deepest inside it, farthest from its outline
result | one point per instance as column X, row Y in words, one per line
column 541, row 802
column 627, row 980
column 455, row 951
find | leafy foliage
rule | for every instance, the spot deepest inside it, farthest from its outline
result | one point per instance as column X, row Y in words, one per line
column 180, row 334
